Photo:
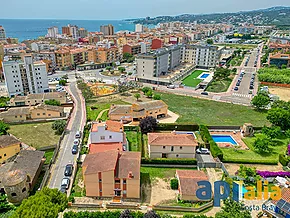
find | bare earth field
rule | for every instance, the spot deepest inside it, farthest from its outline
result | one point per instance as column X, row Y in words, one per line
column 283, row 93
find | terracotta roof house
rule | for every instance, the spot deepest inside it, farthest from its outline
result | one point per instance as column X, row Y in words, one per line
column 138, row 111
column 9, row 146
column 112, row 174
column 187, row 183
column 172, row 145
column 105, row 136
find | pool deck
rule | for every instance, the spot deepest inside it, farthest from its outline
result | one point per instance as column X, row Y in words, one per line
column 236, row 136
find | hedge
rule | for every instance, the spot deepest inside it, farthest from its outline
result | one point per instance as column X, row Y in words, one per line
column 177, row 127
column 169, row 161
column 284, row 160
column 214, row 148
column 251, row 161
column 132, row 128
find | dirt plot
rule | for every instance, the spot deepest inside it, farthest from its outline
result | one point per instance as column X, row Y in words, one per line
column 283, row 93
column 233, row 168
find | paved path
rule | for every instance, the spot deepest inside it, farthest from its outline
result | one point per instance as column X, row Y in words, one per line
column 76, row 123
column 101, row 114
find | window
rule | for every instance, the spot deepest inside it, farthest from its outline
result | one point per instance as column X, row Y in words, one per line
column 163, row 147
column 124, row 181
column 172, row 148
column 4, row 155
column 15, row 116
column 20, row 116
column 0, row 157
column 13, row 194
column 117, row 181
column 100, row 190
column 177, row 155
column 43, row 113
column 49, row 115
column 124, row 192
column 38, row 114
column 110, row 137
column 102, row 137
column 24, row 190
column 100, row 180
column 180, row 147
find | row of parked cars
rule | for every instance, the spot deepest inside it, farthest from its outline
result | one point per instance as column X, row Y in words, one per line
column 239, row 80
column 247, row 61
column 252, row 81
column 65, row 183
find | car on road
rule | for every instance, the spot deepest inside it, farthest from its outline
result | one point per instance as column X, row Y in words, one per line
column 78, row 134
column 68, row 170
column 65, row 183
column 63, row 189
column 202, row 151
column 75, row 149
column 76, row 142
column 101, row 70
column 204, row 93
column 171, row 86
column 251, row 87
column 238, row 83
column 236, row 88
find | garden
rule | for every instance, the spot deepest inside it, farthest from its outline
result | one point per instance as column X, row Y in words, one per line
column 274, row 75
column 192, row 80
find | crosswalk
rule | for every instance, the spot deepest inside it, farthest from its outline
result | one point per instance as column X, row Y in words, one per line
column 242, row 95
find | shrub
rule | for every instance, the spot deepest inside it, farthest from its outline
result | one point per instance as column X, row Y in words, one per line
column 174, row 184
column 157, row 97
column 284, row 160
column 146, row 89
column 251, row 161
column 159, row 161
column 274, row 75
column 52, row 102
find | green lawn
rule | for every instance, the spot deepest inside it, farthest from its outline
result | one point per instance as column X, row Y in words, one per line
column 201, row 111
column 244, row 155
column 219, row 86
column 48, row 155
column 92, row 114
column 77, row 191
column 133, row 141
column 238, row 46
column 191, row 79
column 36, row 135
column 236, row 61
column 105, row 116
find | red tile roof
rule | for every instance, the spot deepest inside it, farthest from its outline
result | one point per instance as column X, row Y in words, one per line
column 96, row 148
column 172, row 139
column 113, row 126
column 285, row 195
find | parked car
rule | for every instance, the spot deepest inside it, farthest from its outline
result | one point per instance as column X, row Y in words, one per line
column 101, row 70
column 65, row 182
column 78, row 134
column 63, row 189
column 68, row 170
column 204, row 93
column 75, row 149
column 236, row 88
column 238, row 84
column 76, row 142
column 202, row 151
column 171, row 86
column 251, row 87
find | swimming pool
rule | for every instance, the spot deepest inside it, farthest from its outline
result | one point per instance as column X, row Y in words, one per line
column 204, row 76
column 224, row 139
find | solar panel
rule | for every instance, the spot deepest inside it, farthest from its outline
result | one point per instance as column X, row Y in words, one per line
column 280, row 203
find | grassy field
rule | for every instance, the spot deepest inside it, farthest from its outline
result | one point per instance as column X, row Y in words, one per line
column 243, row 155
column 92, row 114
column 48, row 155
column 36, row 135
column 219, row 86
column 133, row 141
column 191, row 80
column 77, row 191
column 236, row 61
column 201, row 111
column 238, row 46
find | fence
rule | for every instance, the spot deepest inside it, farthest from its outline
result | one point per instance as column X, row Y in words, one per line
column 76, row 205
column 224, row 127
column 182, row 209
column 276, row 84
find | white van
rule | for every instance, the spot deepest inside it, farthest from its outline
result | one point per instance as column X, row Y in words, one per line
column 78, row 134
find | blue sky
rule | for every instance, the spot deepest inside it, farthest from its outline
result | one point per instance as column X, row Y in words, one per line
column 120, row 9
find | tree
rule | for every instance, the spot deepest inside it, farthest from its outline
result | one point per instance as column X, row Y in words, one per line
column 4, row 205
column 3, row 128
column 248, row 174
column 272, row 132
column 149, row 94
column 174, row 184
column 86, row 90
column 62, row 82
column 151, row 214
column 157, row 97
column 233, row 209
column 137, row 96
column 45, row 203
column 121, row 69
column 260, row 101
column 146, row 89
column 58, row 126
column 52, row 102
column 126, row 214
column 128, row 57
column 65, row 77
column 209, row 41
column 284, row 66
column 279, row 117
column 221, row 73
column 108, row 68
column 287, row 133
column 3, row 101
column 148, row 124
column 262, row 143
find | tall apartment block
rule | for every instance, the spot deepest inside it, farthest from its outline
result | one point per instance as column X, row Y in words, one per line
column 203, row 56
column 25, row 77
column 108, row 30
column 2, row 33
column 52, row 32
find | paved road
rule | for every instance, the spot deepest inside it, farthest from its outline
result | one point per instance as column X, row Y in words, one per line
column 76, row 123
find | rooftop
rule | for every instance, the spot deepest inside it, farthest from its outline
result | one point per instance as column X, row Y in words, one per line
column 6, row 141
column 172, row 139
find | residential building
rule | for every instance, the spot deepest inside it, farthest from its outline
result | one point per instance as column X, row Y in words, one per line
column 26, row 77
column 92, row 55
column 2, row 33
column 38, row 112
column 108, row 30
column 52, row 32
column 66, row 30
column 139, row 28
column 12, row 40
column 132, row 49
column 203, row 56
column 13, row 48
column 279, row 60
column 47, row 57
column 9, row 147
column 63, row 58
column 187, row 184
column 74, row 31
column 78, row 56
column 172, row 145
column 34, row 99
column 106, row 136
column 112, row 174
column 138, row 111
column 20, row 176
column 83, row 33
column 108, row 55
column 156, row 44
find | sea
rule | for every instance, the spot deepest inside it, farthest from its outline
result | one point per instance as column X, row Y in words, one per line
column 25, row 29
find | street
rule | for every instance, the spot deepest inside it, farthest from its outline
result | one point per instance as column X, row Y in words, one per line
column 75, row 124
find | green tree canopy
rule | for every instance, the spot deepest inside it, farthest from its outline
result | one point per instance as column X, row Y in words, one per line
column 137, row 96
column 46, row 203
column 221, row 73
column 272, row 132
column 209, row 41
column 148, row 124
column 58, row 126
column 4, row 205
column 157, row 97
column 86, row 90
column 3, row 128
column 260, row 101
column 233, row 209
column 52, row 102
column 62, row 82
column 262, row 143
column 279, row 117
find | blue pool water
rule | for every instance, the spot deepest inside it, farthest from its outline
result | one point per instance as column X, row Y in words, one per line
column 204, row 76
column 224, row 139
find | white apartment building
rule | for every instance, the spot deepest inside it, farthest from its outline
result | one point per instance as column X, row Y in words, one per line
column 139, row 28
column 2, row 33
column 52, row 32
column 74, row 31
column 204, row 56
column 26, row 77
column 45, row 55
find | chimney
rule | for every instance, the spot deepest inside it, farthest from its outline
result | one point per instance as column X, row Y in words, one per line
column 130, row 175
